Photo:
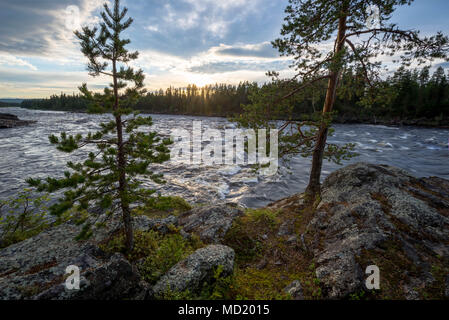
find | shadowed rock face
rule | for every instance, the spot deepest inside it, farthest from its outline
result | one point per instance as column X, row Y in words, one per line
column 380, row 215
column 36, row 268
column 10, row 121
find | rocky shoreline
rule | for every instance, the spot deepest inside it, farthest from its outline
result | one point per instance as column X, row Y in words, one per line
column 368, row 215
column 11, row 121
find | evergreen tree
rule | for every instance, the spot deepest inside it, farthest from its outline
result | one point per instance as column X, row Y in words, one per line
column 310, row 26
column 109, row 176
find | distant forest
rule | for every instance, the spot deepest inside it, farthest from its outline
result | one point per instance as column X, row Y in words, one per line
column 416, row 97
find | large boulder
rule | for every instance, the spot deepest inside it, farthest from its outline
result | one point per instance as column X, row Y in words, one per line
column 36, row 268
column 10, row 121
column 196, row 269
column 210, row 223
column 380, row 215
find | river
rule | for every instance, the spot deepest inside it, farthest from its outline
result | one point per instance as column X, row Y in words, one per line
column 26, row 152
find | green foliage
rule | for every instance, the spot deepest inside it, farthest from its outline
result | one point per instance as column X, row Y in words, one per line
column 159, row 252
column 244, row 235
column 264, row 217
column 163, row 206
column 170, row 250
column 310, row 24
column 217, row 288
column 22, row 217
column 299, row 127
column 407, row 95
column 124, row 149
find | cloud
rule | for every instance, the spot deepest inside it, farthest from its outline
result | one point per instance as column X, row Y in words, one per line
column 39, row 30
column 227, row 66
column 180, row 42
column 261, row 50
column 7, row 59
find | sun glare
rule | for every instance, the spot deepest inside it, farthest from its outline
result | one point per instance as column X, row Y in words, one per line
column 200, row 80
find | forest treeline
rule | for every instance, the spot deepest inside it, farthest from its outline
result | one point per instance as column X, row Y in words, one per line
column 411, row 97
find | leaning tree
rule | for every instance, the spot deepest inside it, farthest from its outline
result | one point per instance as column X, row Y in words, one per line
column 124, row 148
column 325, row 38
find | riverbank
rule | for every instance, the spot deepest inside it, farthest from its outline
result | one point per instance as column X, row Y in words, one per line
column 368, row 215
column 343, row 119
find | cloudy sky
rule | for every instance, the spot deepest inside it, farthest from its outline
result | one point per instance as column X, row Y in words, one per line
column 180, row 41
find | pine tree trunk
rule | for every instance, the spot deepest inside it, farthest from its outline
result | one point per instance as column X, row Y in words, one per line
column 121, row 162
column 314, row 187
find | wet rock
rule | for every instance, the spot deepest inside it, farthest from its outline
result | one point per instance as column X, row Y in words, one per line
column 294, row 289
column 10, row 121
column 210, row 223
column 373, row 214
column 196, row 269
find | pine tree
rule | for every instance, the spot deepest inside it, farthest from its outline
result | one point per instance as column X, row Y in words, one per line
column 324, row 38
column 109, row 177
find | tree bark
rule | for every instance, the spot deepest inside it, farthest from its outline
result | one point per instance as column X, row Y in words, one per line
column 121, row 163
column 314, row 187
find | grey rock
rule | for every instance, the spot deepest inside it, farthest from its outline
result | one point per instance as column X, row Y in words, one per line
column 210, row 223
column 196, row 269
column 144, row 223
column 286, row 228
column 294, row 289
column 365, row 207
column 36, row 268
column 116, row 279
column 10, row 121
column 292, row 240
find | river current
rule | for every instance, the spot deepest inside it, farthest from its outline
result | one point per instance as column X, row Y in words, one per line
column 26, row 152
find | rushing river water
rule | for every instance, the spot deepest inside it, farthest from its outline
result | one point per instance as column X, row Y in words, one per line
column 25, row 152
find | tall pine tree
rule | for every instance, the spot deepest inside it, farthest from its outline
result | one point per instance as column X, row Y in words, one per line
column 324, row 38
column 109, row 177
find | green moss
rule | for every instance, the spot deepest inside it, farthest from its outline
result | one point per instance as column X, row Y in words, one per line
column 218, row 288
column 436, row 289
column 267, row 263
column 22, row 217
column 246, row 232
column 254, row 284
column 158, row 252
column 164, row 206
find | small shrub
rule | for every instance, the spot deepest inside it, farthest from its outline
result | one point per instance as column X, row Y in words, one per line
column 164, row 206
column 170, row 250
column 22, row 217
column 158, row 252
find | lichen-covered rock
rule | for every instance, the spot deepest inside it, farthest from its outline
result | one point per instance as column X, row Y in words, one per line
column 36, row 268
column 380, row 215
column 210, row 223
column 144, row 223
column 196, row 269
column 115, row 279
column 294, row 289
